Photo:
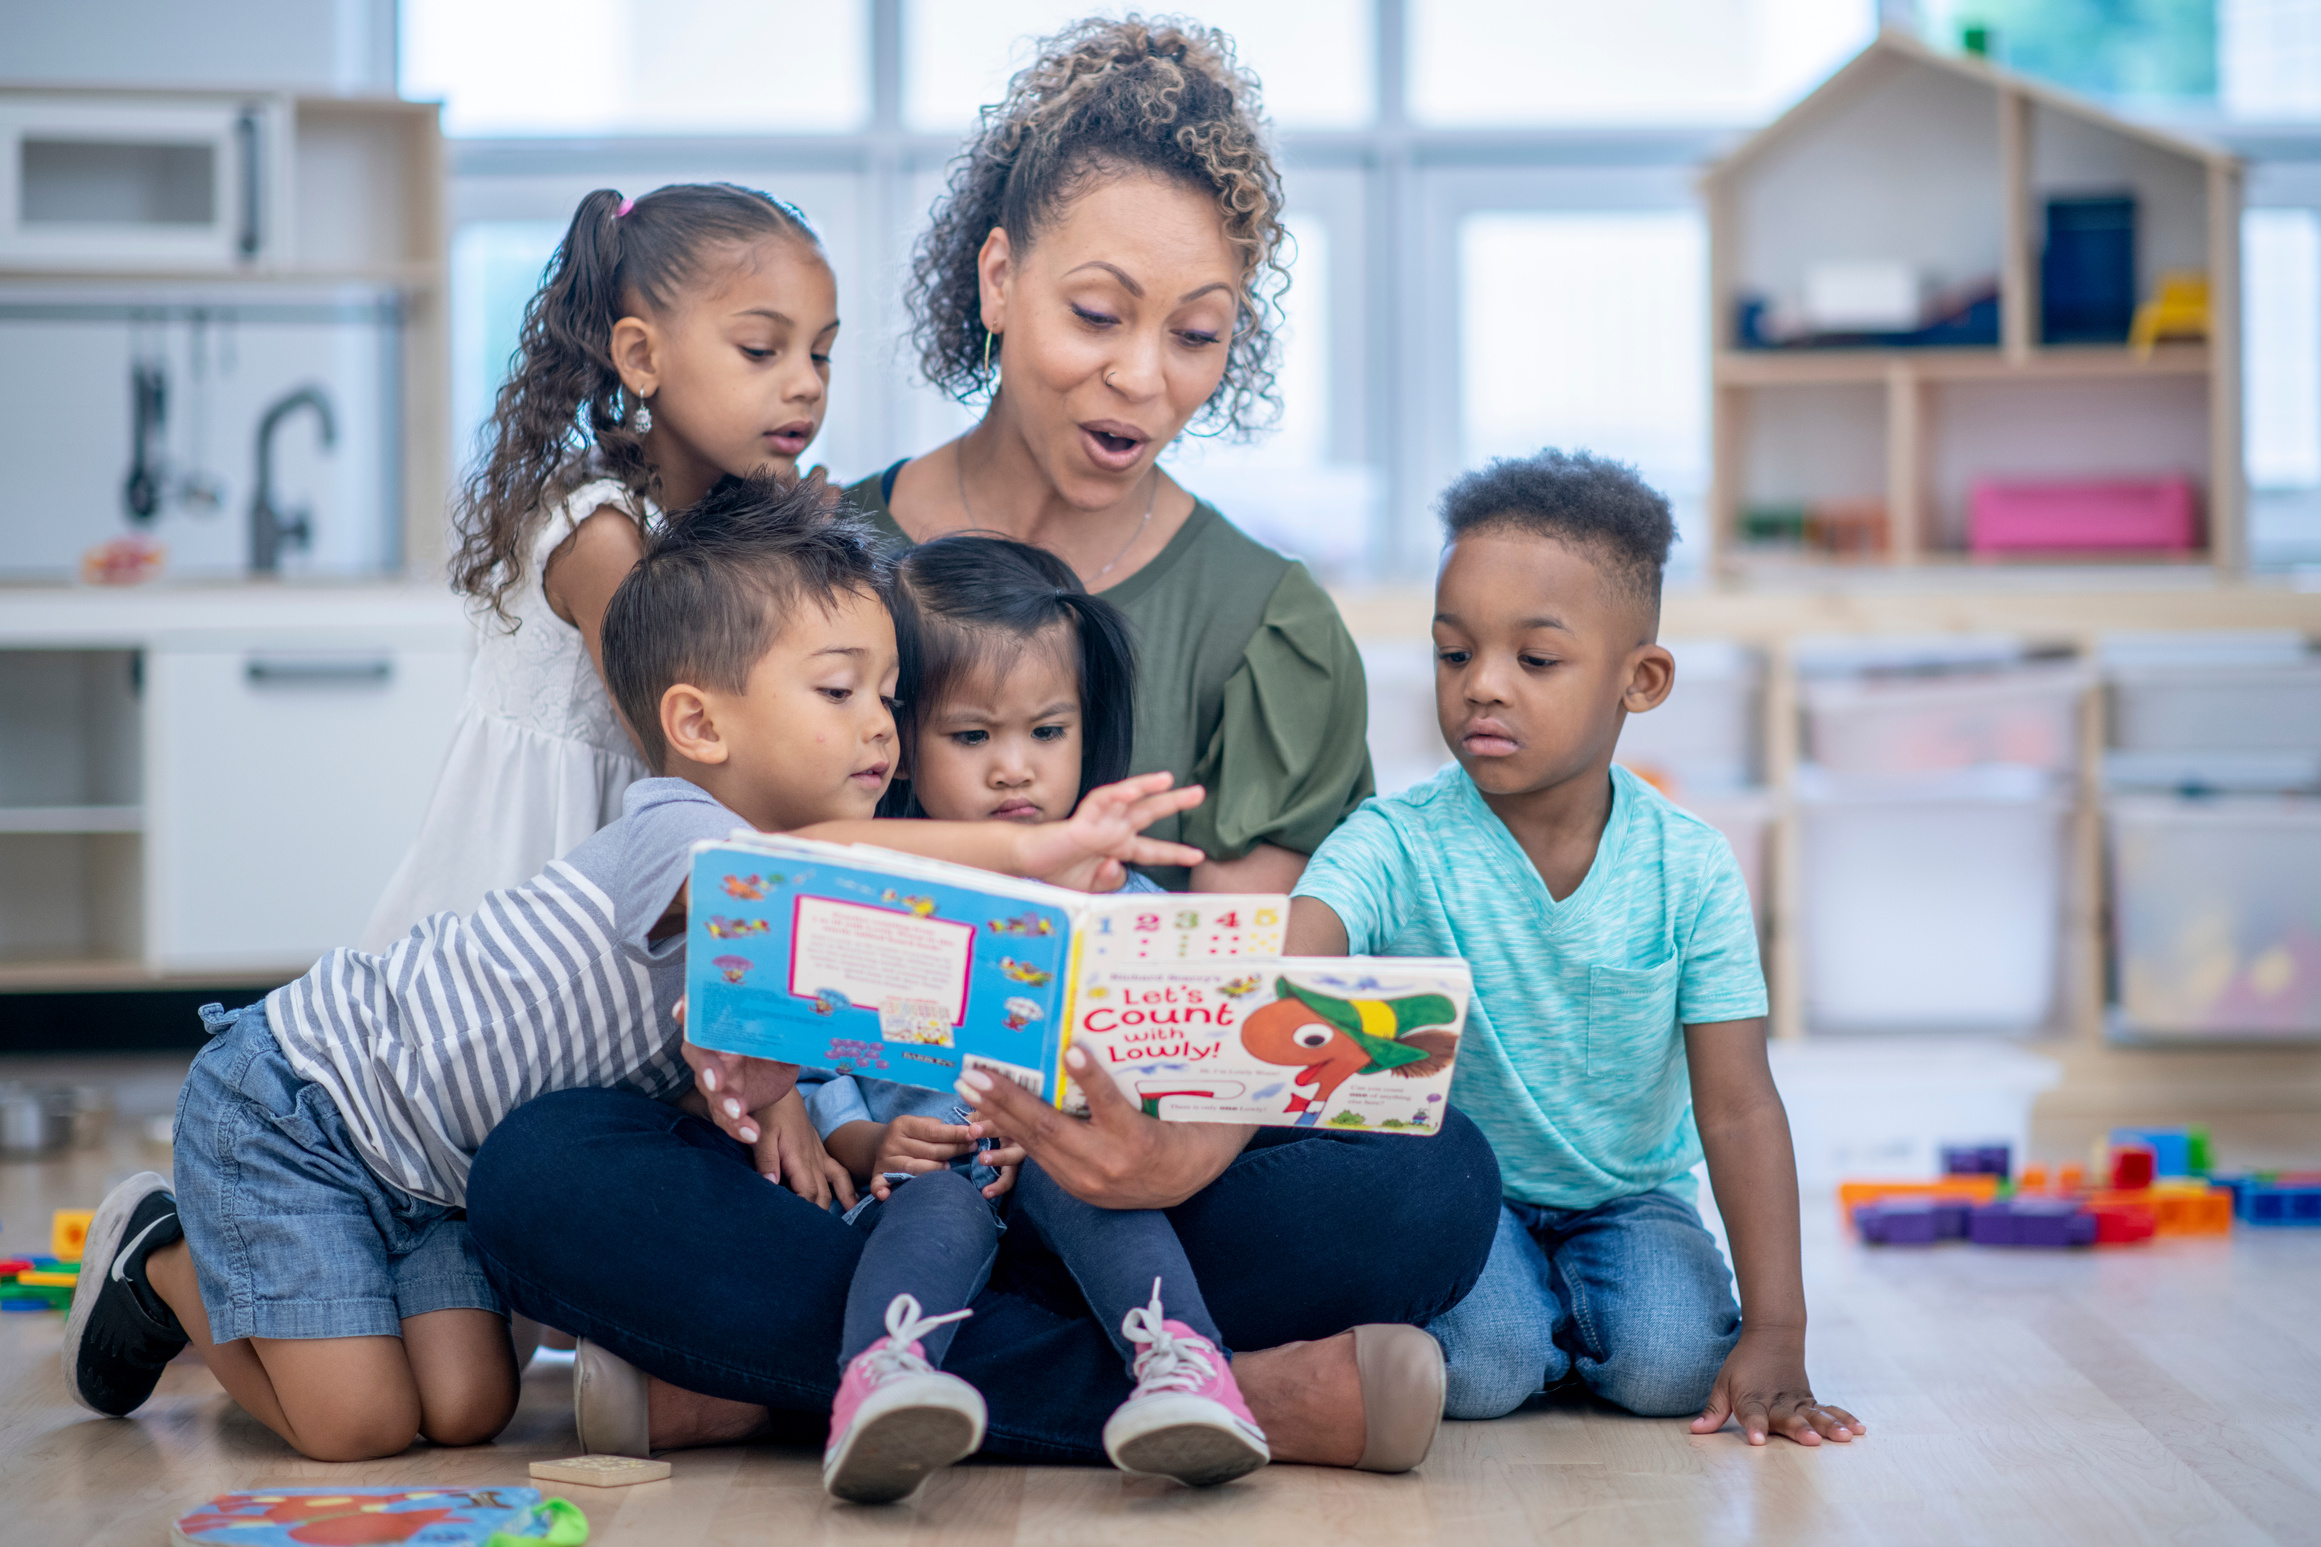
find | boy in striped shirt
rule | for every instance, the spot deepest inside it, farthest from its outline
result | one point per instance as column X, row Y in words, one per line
column 315, row 1250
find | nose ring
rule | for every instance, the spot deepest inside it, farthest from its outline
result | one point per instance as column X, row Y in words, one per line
column 1108, row 375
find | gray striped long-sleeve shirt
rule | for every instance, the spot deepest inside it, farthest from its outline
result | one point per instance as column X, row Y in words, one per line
column 547, row 986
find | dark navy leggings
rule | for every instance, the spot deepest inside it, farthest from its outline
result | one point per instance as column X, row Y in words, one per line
column 629, row 1223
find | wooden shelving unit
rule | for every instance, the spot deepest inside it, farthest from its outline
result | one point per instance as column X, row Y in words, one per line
column 353, row 194
column 1946, row 163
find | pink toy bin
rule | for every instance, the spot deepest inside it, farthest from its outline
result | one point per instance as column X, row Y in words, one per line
column 2152, row 514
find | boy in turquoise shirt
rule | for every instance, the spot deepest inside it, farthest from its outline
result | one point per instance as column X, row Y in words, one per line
column 1616, row 1032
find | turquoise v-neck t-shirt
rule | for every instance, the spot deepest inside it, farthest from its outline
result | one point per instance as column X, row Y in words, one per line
column 1572, row 1061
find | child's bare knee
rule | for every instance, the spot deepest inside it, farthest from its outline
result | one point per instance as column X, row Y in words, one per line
column 472, row 1416
column 352, row 1433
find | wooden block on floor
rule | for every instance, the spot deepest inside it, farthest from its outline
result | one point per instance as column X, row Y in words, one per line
column 601, row 1471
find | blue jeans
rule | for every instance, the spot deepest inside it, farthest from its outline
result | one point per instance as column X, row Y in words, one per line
column 1631, row 1296
column 293, row 1235
column 645, row 1230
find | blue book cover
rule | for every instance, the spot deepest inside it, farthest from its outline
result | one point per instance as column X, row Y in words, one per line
column 892, row 967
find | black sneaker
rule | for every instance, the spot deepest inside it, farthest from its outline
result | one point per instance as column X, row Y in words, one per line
column 119, row 1335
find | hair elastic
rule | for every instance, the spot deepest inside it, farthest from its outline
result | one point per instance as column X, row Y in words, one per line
column 626, row 206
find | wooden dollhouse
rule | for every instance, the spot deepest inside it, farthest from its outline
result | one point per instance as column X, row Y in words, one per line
column 1886, row 354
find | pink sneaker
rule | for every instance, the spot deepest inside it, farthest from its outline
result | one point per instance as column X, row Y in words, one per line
column 1185, row 1419
column 897, row 1417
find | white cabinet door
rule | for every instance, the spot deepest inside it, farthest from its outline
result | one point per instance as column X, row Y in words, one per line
column 283, row 784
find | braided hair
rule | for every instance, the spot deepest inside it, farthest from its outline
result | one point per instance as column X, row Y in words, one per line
column 1104, row 98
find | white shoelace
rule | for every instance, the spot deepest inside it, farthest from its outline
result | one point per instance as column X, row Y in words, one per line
column 1166, row 1362
column 905, row 1325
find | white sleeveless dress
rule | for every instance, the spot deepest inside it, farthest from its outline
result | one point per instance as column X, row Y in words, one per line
column 538, row 760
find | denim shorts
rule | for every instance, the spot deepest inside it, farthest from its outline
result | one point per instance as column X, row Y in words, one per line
column 293, row 1236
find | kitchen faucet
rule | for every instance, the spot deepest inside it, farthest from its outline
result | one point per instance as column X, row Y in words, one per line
column 271, row 530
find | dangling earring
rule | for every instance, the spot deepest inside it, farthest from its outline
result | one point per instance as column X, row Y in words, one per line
column 642, row 420
column 990, row 371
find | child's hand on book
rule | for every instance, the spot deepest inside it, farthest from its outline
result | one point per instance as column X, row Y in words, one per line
column 735, row 1087
column 789, row 1153
column 1087, row 849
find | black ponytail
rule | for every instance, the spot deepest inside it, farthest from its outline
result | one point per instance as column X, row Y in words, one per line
column 963, row 603
column 561, row 417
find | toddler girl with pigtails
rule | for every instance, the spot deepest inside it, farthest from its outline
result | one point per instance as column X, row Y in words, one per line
column 678, row 338
column 1016, row 694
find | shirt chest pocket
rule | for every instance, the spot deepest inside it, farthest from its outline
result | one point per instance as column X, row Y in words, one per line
column 1631, row 1019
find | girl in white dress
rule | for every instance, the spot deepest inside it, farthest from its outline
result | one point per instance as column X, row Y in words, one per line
column 678, row 339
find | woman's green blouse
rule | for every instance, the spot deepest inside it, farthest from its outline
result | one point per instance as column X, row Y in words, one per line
column 1246, row 682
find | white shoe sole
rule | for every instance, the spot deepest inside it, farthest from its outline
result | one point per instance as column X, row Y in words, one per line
column 1192, row 1439
column 97, row 1252
column 608, row 1403
column 894, row 1443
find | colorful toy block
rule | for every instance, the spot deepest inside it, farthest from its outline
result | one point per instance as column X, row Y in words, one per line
column 1912, row 1221
column 2275, row 1205
column 68, row 1231
column 2031, row 1222
column 2121, row 1224
column 1970, row 1189
column 11, row 1266
column 2133, row 1166
column 2175, row 1151
column 1975, row 1160
column 48, row 1280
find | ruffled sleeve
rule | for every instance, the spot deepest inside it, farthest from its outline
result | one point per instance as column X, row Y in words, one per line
column 1290, row 757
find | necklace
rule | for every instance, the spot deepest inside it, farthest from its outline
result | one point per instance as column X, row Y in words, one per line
column 959, row 475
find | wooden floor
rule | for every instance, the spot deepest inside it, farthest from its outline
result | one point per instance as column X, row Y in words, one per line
column 2170, row 1394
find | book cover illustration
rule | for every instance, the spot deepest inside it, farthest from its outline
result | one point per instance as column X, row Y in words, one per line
column 1359, row 1044
column 355, row 1517
column 897, row 968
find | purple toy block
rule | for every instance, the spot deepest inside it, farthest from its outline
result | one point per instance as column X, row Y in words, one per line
column 1975, row 1160
column 1896, row 1224
column 2031, row 1222
column 1911, row 1221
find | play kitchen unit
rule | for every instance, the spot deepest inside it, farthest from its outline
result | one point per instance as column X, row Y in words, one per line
column 222, row 701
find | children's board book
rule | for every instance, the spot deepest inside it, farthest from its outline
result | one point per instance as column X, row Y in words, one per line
column 349, row 1517
column 1360, row 1044
column 893, row 967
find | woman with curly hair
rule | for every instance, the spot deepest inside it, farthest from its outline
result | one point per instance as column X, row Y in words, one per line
column 1104, row 272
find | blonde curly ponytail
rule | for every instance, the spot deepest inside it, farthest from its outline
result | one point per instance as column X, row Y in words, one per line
column 1107, row 97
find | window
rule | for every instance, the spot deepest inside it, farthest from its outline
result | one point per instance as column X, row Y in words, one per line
column 523, row 67
column 1314, row 56
column 2268, row 58
column 1284, row 488
column 1587, row 331
column 1500, row 62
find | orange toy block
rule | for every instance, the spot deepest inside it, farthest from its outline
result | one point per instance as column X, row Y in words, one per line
column 68, row 1232
column 1973, row 1189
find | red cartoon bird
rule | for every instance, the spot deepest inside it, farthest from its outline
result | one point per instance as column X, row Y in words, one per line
column 1332, row 1039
